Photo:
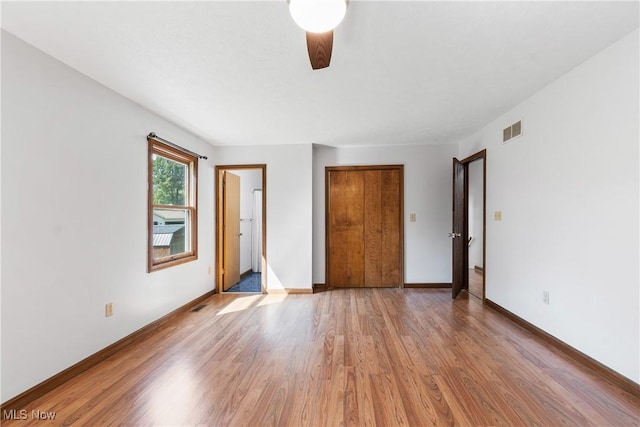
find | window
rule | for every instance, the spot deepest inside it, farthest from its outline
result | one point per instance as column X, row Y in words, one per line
column 173, row 216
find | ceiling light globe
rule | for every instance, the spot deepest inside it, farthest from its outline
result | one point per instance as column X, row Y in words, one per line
column 317, row 16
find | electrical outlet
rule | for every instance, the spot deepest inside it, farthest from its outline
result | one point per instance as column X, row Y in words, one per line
column 545, row 297
column 497, row 215
column 209, row 271
column 412, row 217
column 108, row 310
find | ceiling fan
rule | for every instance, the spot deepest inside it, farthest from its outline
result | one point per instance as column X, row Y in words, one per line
column 318, row 18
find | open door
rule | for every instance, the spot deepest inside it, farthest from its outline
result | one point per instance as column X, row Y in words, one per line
column 458, row 236
column 475, row 228
column 231, row 229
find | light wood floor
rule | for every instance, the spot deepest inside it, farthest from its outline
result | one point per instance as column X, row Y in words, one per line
column 386, row 357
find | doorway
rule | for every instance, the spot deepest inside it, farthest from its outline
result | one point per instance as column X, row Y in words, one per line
column 475, row 229
column 469, row 225
column 241, row 228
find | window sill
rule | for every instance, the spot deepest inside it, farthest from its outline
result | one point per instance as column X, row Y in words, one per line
column 171, row 263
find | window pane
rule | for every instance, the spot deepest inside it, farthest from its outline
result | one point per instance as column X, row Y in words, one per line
column 172, row 206
column 171, row 231
column 169, row 182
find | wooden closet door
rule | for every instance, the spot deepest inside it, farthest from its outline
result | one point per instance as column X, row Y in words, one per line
column 383, row 256
column 346, row 229
column 364, row 226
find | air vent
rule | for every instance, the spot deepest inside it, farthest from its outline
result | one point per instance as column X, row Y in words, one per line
column 506, row 134
column 512, row 131
column 198, row 308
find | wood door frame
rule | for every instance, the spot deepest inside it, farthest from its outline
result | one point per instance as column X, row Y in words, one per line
column 482, row 154
column 327, row 242
column 220, row 169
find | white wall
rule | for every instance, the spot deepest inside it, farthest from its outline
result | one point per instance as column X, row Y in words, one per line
column 74, row 218
column 289, row 209
column 568, row 190
column 427, row 193
column 250, row 179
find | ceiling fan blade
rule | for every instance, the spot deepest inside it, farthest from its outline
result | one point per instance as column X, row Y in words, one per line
column 319, row 46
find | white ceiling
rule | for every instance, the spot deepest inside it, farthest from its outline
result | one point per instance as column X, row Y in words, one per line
column 401, row 72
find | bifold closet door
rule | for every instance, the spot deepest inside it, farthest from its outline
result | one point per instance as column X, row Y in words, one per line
column 346, row 229
column 382, row 255
column 364, row 226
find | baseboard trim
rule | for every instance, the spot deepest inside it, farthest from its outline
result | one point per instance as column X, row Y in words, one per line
column 246, row 273
column 23, row 399
column 478, row 268
column 605, row 372
column 290, row 291
column 319, row 287
column 428, row 285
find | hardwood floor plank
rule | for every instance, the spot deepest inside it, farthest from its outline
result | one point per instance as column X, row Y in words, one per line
column 335, row 407
column 350, row 402
column 461, row 415
column 596, row 399
column 435, row 398
column 389, row 414
column 345, row 357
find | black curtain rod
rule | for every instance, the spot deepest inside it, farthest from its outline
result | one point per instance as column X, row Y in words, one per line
column 157, row 138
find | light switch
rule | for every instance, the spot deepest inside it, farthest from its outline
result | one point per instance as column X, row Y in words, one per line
column 412, row 217
column 497, row 215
